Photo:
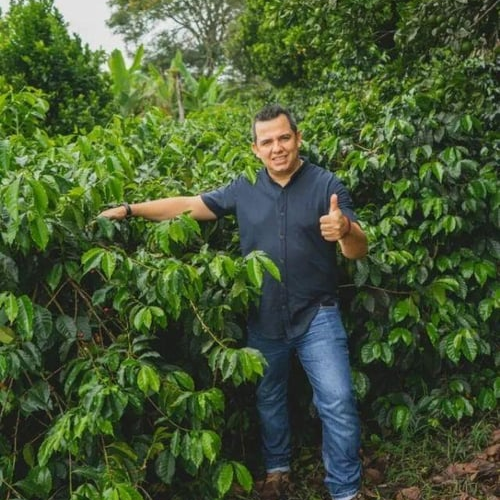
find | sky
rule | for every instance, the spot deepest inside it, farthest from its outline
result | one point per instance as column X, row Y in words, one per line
column 86, row 18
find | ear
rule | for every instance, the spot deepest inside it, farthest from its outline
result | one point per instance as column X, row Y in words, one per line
column 299, row 137
column 255, row 149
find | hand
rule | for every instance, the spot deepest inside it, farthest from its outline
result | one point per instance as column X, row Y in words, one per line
column 334, row 225
column 117, row 213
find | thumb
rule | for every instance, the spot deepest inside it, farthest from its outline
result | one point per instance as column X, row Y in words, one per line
column 334, row 203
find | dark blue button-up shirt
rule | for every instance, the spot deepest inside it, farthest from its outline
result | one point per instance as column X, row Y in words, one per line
column 284, row 223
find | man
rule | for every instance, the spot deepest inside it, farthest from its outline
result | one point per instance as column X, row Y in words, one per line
column 298, row 213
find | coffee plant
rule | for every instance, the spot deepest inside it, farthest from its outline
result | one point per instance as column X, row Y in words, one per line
column 103, row 388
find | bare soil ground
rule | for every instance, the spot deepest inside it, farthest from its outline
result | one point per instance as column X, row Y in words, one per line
column 462, row 464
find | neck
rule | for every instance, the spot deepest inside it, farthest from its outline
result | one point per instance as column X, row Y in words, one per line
column 284, row 179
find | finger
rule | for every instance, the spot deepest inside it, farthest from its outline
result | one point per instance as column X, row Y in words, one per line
column 334, row 203
column 112, row 213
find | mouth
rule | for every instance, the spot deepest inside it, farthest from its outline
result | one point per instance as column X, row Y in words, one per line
column 279, row 160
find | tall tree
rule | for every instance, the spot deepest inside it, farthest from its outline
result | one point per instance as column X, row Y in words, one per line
column 198, row 28
column 37, row 51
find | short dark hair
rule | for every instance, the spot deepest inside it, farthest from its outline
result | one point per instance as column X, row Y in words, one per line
column 270, row 112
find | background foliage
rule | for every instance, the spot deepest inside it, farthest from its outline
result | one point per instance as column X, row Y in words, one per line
column 37, row 51
column 122, row 362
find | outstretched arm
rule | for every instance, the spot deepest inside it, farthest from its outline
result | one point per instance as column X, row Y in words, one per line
column 163, row 209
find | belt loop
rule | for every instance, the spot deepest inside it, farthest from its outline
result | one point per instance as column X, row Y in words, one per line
column 328, row 302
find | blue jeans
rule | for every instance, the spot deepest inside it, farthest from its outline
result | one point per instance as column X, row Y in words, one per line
column 323, row 353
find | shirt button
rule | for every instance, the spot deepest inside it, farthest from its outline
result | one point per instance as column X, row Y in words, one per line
column 281, row 236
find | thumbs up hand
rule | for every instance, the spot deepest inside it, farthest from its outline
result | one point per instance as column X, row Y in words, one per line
column 335, row 225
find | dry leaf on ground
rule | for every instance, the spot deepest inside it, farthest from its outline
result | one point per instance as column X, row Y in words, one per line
column 412, row 493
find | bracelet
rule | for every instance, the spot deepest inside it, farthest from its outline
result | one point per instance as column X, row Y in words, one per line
column 349, row 227
column 128, row 210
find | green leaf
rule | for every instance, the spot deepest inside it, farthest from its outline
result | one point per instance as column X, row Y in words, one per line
column 486, row 399
column 67, row 326
column 24, row 320
column 400, row 187
column 484, row 270
column 496, row 387
column 224, row 478
column 39, row 232
column 485, row 309
column 38, row 483
column 6, row 335
column 36, row 398
column 362, row 272
column 469, row 345
column 176, row 232
column 243, row 476
column 165, row 466
column 128, row 492
column 401, row 417
column 437, row 169
column 191, row 448
column 229, row 266
column 5, row 148
column 111, row 494
column 397, row 334
column 11, row 199
column 387, row 354
column 432, row 333
column 148, row 379
column 216, row 267
column 159, row 315
column 143, row 319
column 175, row 443
column 453, row 347
column 361, row 383
column 29, row 455
column 119, row 72
column 30, row 357
column 183, row 379
column 10, row 305
column 41, row 200
column 108, row 264
column 91, row 259
column 368, row 352
column 401, row 310
column 269, row 266
column 54, row 276
column 254, row 272
column 228, row 363
column 211, row 444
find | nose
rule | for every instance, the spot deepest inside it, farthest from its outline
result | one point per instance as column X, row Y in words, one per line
column 277, row 146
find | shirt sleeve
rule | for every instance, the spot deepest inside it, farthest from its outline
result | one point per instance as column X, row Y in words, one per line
column 222, row 201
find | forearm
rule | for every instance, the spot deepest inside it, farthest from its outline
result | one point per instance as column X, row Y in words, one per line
column 354, row 245
column 163, row 209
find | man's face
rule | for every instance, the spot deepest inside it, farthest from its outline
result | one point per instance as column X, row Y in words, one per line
column 277, row 146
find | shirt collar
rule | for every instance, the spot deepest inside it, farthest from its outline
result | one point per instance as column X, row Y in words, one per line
column 304, row 166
